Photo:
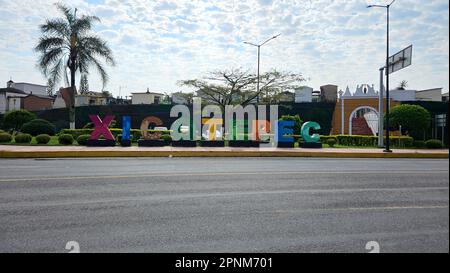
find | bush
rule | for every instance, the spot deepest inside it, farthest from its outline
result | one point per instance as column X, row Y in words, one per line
column 2, row 132
column 5, row 138
column 368, row 141
column 38, row 127
column 297, row 122
column 23, row 138
column 434, row 144
column 167, row 139
column 83, row 139
column 331, row 142
column 65, row 139
column 43, row 139
column 16, row 119
column 419, row 144
column 412, row 118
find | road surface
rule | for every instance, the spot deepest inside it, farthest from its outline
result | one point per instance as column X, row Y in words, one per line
column 224, row 205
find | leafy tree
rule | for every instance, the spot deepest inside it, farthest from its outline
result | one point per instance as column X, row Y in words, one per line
column 233, row 87
column 84, row 84
column 298, row 122
column 413, row 119
column 67, row 44
column 16, row 119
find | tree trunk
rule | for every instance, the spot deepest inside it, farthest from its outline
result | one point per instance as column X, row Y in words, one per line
column 72, row 97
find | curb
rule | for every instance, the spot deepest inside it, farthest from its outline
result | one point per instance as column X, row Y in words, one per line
column 112, row 154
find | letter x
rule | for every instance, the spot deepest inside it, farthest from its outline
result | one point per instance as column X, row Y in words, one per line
column 101, row 127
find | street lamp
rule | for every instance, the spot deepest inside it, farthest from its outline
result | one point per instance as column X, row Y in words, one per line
column 259, row 59
column 387, row 7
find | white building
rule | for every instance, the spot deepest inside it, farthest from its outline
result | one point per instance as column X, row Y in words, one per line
column 11, row 97
column 147, row 98
column 434, row 94
column 403, row 95
column 303, row 94
column 31, row 88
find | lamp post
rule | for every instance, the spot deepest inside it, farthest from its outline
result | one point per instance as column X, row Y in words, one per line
column 387, row 7
column 259, row 60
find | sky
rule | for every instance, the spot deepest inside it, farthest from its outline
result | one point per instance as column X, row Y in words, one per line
column 158, row 43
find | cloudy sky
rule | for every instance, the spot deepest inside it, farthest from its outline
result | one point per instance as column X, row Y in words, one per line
column 157, row 43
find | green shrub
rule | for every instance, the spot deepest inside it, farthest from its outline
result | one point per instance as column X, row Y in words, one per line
column 419, row 144
column 38, row 127
column 2, row 132
column 23, row 138
column 83, row 139
column 331, row 142
column 65, row 139
column 43, row 139
column 434, row 144
column 16, row 119
column 5, row 138
column 368, row 141
column 297, row 122
column 167, row 139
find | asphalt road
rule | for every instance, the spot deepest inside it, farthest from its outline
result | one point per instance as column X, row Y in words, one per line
column 224, row 205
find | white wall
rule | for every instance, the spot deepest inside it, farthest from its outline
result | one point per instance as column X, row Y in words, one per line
column 2, row 103
column 430, row 95
column 303, row 94
column 403, row 95
column 144, row 98
column 31, row 88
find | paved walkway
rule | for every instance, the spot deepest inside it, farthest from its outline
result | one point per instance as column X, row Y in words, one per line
column 7, row 151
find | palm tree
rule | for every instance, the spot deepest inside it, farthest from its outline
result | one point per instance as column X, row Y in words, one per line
column 67, row 44
column 402, row 85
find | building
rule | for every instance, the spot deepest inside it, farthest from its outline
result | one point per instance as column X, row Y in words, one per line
column 147, row 98
column 434, row 94
column 91, row 98
column 403, row 95
column 12, row 98
column 316, row 96
column 303, row 94
column 286, row 96
column 31, row 88
column 328, row 93
column 445, row 97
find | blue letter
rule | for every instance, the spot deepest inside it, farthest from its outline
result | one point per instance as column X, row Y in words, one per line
column 126, row 128
column 285, row 128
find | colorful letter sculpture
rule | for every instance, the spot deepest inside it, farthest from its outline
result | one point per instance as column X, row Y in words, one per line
column 310, row 140
column 285, row 134
column 101, row 129
column 126, row 131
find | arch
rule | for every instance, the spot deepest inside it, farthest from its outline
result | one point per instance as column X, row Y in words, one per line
column 350, row 128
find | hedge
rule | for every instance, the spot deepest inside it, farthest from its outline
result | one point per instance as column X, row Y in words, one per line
column 65, row 139
column 434, row 144
column 43, row 139
column 5, row 138
column 23, row 138
column 368, row 141
column 38, row 127
column 135, row 133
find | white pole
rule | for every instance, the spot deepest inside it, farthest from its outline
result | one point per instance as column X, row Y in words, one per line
column 381, row 111
column 342, row 116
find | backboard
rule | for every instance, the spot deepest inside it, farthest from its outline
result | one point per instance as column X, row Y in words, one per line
column 400, row 60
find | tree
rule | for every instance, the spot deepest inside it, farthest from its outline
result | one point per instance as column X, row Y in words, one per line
column 233, row 87
column 413, row 119
column 50, row 87
column 16, row 119
column 84, row 84
column 67, row 44
column 402, row 85
column 107, row 94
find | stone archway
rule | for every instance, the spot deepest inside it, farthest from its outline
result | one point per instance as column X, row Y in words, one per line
column 353, row 114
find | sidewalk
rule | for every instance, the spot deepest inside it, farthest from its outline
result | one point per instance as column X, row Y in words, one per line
column 77, row 151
